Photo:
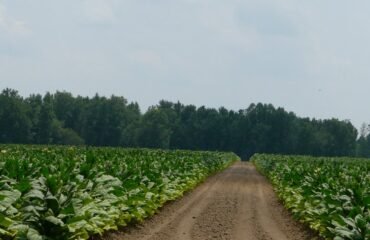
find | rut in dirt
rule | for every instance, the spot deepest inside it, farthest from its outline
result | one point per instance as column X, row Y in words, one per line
column 236, row 204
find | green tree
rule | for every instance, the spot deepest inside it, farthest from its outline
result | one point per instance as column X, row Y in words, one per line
column 15, row 126
column 155, row 130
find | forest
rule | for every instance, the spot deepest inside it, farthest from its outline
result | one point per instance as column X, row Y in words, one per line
column 64, row 119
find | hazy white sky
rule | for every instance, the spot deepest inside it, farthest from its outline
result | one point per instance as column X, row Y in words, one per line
column 310, row 57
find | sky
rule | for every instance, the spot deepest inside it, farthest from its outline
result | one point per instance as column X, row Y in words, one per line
column 310, row 57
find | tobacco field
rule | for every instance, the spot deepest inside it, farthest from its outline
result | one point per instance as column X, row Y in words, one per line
column 331, row 195
column 75, row 193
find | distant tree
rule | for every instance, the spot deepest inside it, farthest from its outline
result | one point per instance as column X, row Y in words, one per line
column 47, row 124
column 133, row 118
column 64, row 105
column 184, row 134
column 363, row 142
column 66, row 136
column 34, row 103
column 155, row 130
column 61, row 118
column 364, row 130
column 15, row 126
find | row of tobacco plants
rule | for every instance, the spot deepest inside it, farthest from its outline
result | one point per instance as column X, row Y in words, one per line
column 331, row 195
column 75, row 193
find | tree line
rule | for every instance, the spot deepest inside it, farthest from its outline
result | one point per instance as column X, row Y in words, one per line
column 62, row 118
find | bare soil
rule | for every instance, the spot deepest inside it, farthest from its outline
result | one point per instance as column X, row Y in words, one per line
column 236, row 204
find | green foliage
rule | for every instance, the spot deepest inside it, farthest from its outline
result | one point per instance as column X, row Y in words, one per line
column 363, row 146
column 15, row 125
column 154, row 129
column 62, row 118
column 331, row 195
column 74, row 193
column 67, row 136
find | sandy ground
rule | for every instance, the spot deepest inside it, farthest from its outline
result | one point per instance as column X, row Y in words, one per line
column 236, row 204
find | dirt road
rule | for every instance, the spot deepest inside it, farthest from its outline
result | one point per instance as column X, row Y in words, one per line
column 236, row 204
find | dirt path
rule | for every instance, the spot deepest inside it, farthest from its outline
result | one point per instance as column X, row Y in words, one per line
column 236, row 204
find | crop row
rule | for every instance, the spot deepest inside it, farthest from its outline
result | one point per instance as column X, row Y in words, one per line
column 74, row 193
column 331, row 195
